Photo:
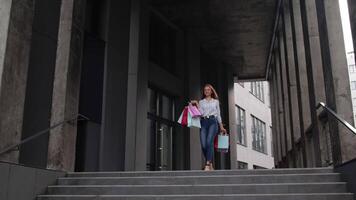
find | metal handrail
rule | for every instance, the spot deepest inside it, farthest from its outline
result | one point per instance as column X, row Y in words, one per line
column 79, row 117
column 342, row 121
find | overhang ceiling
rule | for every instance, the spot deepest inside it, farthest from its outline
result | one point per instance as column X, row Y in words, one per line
column 236, row 32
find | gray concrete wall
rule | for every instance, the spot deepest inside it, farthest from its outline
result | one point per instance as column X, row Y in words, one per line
column 39, row 84
column 311, row 69
column 301, row 81
column 30, row 181
column 15, row 37
column 230, row 119
column 339, row 79
column 291, row 77
column 136, row 134
column 112, row 142
column 65, row 97
column 314, row 74
column 194, row 92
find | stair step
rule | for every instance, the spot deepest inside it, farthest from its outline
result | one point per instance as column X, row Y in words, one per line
column 200, row 172
column 216, row 179
column 333, row 187
column 314, row 196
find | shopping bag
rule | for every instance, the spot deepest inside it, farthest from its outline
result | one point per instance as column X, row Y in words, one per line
column 193, row 121
column 183, row 119
column 189, row 118
column 223, row 143
column 194, row 111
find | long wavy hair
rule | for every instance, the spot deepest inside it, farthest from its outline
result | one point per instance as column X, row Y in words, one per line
column 214, row 94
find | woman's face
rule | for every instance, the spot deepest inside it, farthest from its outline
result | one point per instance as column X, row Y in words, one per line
column 207, row 91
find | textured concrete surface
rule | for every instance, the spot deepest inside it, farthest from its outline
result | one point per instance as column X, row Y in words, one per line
column 112, row 142
column 285, row 93
column 14, row 58
column 39, row 83
column 340, row 79
column 236, row 32
column 62, row 141
column 137, row 87
column 280, row 110
column 291, row 74
column 24, row 183
column 193, row 51
column 303, row 79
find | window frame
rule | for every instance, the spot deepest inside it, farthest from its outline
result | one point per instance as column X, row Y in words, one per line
column 259, row 135
column 241, row 125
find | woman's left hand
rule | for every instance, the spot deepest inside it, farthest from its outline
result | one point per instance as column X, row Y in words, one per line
column 223, row 130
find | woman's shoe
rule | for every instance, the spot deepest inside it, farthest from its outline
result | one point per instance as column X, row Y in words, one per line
column 211, row 166
column 207, row 168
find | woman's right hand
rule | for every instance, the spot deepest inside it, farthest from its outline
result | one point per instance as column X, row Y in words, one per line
column 194, row 102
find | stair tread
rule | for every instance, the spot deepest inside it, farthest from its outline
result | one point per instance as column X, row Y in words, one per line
column 203, row 185
column 193, row 171
column 188, row 195
column 201, row 176
column 280, row 184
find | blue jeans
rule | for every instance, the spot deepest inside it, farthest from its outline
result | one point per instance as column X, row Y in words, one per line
column 208, row 131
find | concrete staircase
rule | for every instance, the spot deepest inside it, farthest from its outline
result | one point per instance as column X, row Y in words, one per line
column 276, row 184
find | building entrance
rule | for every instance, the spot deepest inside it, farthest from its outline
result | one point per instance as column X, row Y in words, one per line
column 160, row 131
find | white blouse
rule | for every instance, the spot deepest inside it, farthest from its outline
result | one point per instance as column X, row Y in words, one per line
column 210, row 107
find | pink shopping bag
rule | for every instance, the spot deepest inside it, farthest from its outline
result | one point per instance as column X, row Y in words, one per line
column 194, row 111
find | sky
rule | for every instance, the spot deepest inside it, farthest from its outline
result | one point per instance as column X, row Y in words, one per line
column 346, row 25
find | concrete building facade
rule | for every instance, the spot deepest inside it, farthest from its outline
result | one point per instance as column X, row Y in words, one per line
column 352, row 75
column 254, row 126
column 130, row 66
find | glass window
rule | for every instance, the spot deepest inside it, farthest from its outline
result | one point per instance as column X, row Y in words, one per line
column 259, row 135
column 160, row 129
column 262, row 92
column 257, row 89
column 152, row 102
column 354, row 102
column 352, row 68
column 241, row 126
column 353, row 85
column 167, row 108
column 258, row 167
column 160, row 105
column 242, row 165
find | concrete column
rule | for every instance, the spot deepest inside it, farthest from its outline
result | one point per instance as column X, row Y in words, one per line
column 136, row 130
column 65, row 98
column 336, row 76
column 274, row 113
column 194, row 92
column 39, row 87
column 291, row 78
column 281, row 138
column 284, row 84
column 181, row 138
column 15, row 39
column 231, row 117
column 301, row 74
column 113, row 135
column 314, row 71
